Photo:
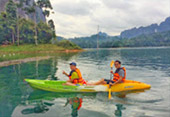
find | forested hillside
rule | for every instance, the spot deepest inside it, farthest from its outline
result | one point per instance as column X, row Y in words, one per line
column 153, row 28
column 17, row 29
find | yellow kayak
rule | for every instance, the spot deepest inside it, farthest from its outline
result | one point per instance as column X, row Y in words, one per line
column 129, row 85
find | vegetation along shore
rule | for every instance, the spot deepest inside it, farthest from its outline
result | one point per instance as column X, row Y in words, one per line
column 31, row 34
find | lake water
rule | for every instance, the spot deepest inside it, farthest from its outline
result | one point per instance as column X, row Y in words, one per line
column 149, row 65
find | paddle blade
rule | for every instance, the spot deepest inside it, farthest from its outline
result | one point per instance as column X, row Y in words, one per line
column 110, row 93
column 111, row 64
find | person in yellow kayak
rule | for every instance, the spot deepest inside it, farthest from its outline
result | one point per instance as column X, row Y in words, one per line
column 75, row 77
column 119, row 75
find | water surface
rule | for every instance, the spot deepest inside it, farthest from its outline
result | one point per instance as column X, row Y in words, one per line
column 149, row 65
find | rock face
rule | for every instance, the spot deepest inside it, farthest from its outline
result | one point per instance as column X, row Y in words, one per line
column 39, row 12
column 134, row 32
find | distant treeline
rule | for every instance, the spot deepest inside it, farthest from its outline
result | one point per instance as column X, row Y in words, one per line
column 154, row 39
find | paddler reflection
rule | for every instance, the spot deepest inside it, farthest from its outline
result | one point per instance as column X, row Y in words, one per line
column 76, row 104
column 118, row 111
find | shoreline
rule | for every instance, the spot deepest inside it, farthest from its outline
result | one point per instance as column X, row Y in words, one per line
column 10, row 55
column 19, row 61
column 30, row 59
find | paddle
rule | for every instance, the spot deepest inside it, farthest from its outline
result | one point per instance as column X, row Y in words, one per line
column 110, row 91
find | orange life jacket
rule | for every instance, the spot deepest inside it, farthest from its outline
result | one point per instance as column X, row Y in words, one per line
column 79, row 79
column 81, row 101
column 116, row 75
column 77, row 100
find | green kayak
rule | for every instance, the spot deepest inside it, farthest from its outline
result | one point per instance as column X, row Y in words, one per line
column 57, row 86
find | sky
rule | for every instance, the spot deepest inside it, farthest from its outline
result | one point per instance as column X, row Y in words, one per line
column 78, row 18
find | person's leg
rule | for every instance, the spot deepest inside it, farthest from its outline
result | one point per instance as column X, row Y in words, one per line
column 69, row 83
column 102, row 81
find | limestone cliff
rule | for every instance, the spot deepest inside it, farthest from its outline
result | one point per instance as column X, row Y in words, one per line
column 39, row 13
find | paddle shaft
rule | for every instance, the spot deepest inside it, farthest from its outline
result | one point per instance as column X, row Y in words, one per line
column 110, row 77
column 110, row 91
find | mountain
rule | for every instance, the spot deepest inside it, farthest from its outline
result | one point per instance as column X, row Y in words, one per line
column 39, row 12
column 144, row 40
column 153, row 28
column 91, row 41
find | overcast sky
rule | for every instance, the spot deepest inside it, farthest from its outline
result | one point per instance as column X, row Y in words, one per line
column 75, row 18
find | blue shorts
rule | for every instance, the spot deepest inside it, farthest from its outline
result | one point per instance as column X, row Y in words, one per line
column 108, row 81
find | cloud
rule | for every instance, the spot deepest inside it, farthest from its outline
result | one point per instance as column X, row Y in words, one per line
column 81, row 17
column 117, row 4
column 74, row 7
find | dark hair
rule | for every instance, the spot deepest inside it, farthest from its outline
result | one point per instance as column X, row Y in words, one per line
column 118, row 61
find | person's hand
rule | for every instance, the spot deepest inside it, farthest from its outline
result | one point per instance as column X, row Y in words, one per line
column 64, row 72
column 111, row 84
column 111, row 71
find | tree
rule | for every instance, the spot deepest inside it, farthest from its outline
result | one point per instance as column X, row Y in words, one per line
column 11, row 16
column 32, row 10
column 44, row 32
column 3, row 26
column 52, row 26
column 26, row 31
column 46, row 6
column 43, row 4
column 19, row 5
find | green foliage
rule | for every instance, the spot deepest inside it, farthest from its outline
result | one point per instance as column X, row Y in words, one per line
column 91, row 42
column 11, row 9
column 11, row 17
column 155, row 39
column 67, row 44
column 8, row 26
column 30, row 10
column 12, row 52
column 46, row 13
column 3, row 27
column 44, row 4
column 26, row 31
column 45, row 34
column 31, row 48
column 52, row 26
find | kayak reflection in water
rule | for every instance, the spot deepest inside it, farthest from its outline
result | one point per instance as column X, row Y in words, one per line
column 76, row 104
column 75, row 77
column 118, row 111
column 119, row 75
column 41, row 107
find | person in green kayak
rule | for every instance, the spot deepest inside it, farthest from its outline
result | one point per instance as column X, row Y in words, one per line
column 119, row 75
column 76, row 104
column 75, row 77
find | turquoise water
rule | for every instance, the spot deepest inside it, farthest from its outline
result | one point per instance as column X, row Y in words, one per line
column 149, row 65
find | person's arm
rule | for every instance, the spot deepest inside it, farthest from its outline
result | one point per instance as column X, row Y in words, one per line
column 66, row 103
column 120, row 79
column 121, row 74
column 65, row 73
